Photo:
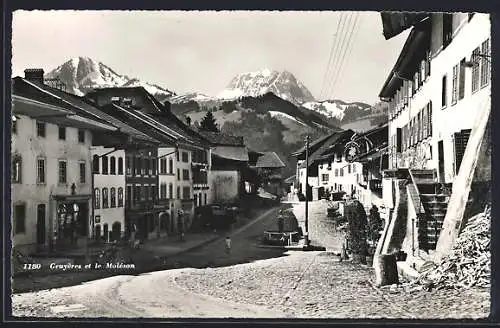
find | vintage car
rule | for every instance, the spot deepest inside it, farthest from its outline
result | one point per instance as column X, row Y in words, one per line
column 288, row 230
column 216, row 216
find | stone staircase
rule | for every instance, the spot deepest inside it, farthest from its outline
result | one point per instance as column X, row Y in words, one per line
column 435, row 202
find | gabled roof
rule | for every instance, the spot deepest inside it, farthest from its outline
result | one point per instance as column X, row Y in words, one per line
column 138, row 89
column 269, row 160
column 37, row 92
column 173, row 122
column 329, row 145
column 221, row 139
column 394, row 23
column 313, row 145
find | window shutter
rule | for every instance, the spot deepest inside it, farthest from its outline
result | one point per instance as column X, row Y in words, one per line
column 429, row 118
column 398, row 140
column 425, row 122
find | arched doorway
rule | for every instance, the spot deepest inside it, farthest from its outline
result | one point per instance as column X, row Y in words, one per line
column 116, row 231
column 106, row 233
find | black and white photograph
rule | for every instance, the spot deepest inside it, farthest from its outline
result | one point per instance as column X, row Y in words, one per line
column 176, row 164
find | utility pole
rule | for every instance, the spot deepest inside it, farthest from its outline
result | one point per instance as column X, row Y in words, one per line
column 306, row 237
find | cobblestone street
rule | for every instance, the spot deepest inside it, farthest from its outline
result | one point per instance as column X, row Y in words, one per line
column 295, row 284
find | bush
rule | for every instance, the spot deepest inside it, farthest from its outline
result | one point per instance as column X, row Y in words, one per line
column 357, row 226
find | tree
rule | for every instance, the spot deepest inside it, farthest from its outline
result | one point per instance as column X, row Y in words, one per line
column 208, row 123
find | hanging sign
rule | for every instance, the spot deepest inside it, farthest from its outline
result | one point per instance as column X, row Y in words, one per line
column 351, row 151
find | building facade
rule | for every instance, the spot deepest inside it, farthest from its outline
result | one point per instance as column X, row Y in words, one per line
column 51, row 168
column 447, row 75
column 439, row 93
column 108, row 169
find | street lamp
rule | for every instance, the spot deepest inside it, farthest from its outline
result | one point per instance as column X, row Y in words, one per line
column 306, row 237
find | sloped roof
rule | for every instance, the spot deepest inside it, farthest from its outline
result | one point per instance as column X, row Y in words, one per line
column 139, row 89
column 231, row 152
column 83, row 106
column 219, row 138
column 329, row 144
column 393, row 23
column 314, row 144
column 269, row 160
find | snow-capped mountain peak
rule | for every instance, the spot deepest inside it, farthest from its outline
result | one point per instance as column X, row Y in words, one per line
column 82, row 74
column 257, row 83
column 333, row 108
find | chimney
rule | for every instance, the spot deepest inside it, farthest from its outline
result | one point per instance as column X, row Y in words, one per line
column 188, row 120
column 34, row 74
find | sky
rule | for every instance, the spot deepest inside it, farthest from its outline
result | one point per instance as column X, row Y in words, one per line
column 201, row 51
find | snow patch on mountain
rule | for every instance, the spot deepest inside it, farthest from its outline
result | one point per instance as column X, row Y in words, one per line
column 194, row 96
column 333, row 108
column 82, row 74
column 280, row 114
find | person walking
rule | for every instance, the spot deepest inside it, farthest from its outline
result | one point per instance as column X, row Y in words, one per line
column 228, row 244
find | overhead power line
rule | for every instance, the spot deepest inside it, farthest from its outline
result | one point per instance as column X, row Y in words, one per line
column 329, row 63
column 345, row 59
column 338, row 53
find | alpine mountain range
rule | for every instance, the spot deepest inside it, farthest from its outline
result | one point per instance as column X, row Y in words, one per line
column 275, row 104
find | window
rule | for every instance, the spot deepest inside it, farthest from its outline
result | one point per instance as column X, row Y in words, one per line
column 177, row 155
column 324, row 178
column 63, row 178
column 461, row 81
column 20, row 219
column 163, row 166
column 444, row 90
column 16, row 169
column 128, row 167
column 97, row 198
column 171, row 166
column 144, row 193
column 425, row 122
column 137, row 165
column 186, row 193
column 342, row 172
column 153, row 192
column 163, row 191
column 105, row 199
column 153, row 166
column 447, row 29
column 485, row 63
column 95, row 164
column 62, row 133
column 120, row 197
column 475, row 69
column 104, row 165
column 178, row 192
column 83, row 173
column 349, row 168
column 354, row 168
column 40, row 170
column 205, row 199
column 112, row 165
column 170, row 191
column 185, row 157
column 145, row 166
column 137, row 193
column 112, row 196
column 120, row 165
column 185, row 175
column 398, row 140
column 40, row 129
column 336, row 172
column 454, row 90
column 178, row 174
column 81, row 136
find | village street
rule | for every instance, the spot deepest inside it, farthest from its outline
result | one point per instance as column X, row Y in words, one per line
column 272, row 283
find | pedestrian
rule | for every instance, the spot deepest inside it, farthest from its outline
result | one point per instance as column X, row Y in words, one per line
column 228, row 244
